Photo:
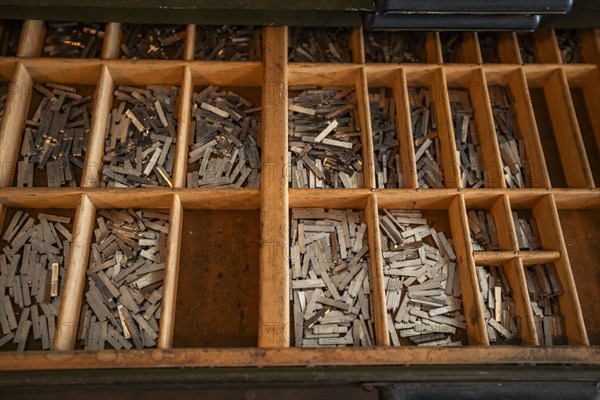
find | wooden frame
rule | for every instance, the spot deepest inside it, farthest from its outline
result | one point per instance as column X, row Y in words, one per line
column 274, row 199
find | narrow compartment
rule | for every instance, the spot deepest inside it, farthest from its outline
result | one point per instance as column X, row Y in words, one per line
column 217, row 291
column 514, row 119
column 558, row 129
column 391, row 143
column 580, row 228
column 33, row 265
column 582, row 87
column 472, row 121
column 224, row 143
column 161, row 42
column 331, row 274
column 431, row 129
column 317, row 45
column 73, row 39
column 527, row 47
column 460, row 47
column 545, row 289
column 228, row 43
column 506, row 310
column 397, row 47
column 10, row 33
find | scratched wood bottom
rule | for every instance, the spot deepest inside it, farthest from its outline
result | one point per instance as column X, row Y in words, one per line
column 562, row 86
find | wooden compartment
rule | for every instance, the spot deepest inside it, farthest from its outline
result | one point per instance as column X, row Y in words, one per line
column 394, row 47
column 499, row 47
column 23, row 103
column 316, row 42
column 580, row 227
column 261, row 217
column 434, row 80
column 581, row 86
column 52, row 329
column 460, row 47
column 558, row 128
column 218, row 275
column 473, row 82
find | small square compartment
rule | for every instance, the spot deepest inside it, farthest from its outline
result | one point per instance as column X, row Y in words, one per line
column 228, row 43
column 73, row 39
column 159, row 42
column 396, row 47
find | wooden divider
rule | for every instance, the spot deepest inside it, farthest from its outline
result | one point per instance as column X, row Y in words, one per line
column 274, row 308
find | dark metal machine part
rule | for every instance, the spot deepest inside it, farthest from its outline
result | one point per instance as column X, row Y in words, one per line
column 391, row 382
column 583, row 14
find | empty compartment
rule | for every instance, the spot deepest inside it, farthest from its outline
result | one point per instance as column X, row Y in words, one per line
column 10, row 33
column 317, row 45
column 580, row 229
column 161, row 42
column 506, row 310
column 36, row 244
column 582, row 87
column 331, row 284
column 398, row 47
column 124, row 289
column 224, row 141
column 217, row 290
column 73, row 39
column 527, row 47
column 472, row 126
column 557, row 126
column 228, row 43
column 460, row 47
column 430, row 126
